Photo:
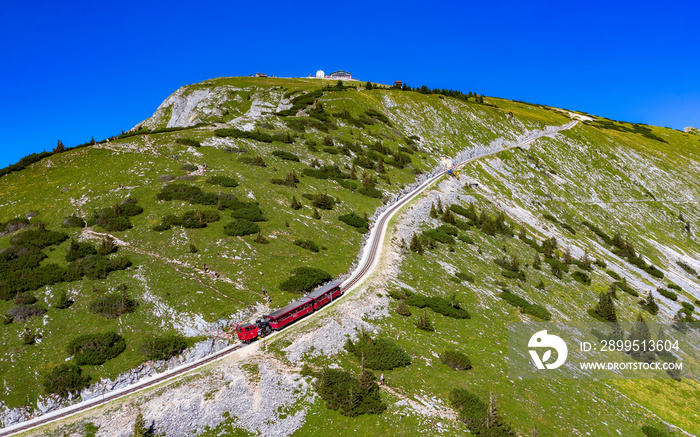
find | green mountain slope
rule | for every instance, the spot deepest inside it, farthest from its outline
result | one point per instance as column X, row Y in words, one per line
column 348, row 128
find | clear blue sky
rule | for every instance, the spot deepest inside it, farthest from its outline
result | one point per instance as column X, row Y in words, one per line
column 72, row 70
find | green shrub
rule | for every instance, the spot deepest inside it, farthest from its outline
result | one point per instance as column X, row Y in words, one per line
column 439, row 236
column 96, row 349
column 284, row 182
column 466, row 238
column 283, row 154
column 687, row 268
column 305, row 279
column 73, row 221
column 626, row 288
column 162, row 347
column 326, row 172
column 112, row 305
column 352, row 397
column 223, row 181
column 79, row 250
column 321, row 201
column 26, row 311
column 188, row 142
column 465, row 276
column 520, row 275
column 255, row 135
column 526, row 307
column 472, row 410
column 354, row 220
column 668, row 294
column 674, row 287
column 370, row 192
column 240, row 227
column 581, row 277
column 38, row 238
column 438, row 304
column 65, row 379
column 25, row 298
column 189, row 167
column 308, row 245
column 613, row 275
column 402, row 309
column 424, row 322
column 650, row 431
column 379, row 353
column 252, row 213
column 455, row 360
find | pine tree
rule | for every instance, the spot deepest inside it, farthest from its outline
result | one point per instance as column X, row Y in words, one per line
column 641, row 332
column 28, row 337
column 439, row 205
column 612, row 291
column 650, row 304
column 606, row 308
column 63, row 302
column 402, row 309
column 368, row 85
column 523, row 233
column 260, row 239
column 353, row 175
column 316, row 214
column 59, row 147
column 416, row 245
column 140, row 428
column 295, row 203
column 380, row 165
column 448, row 217
column 219, row 205
column 433, row 211
column 567, row 258
column 537, row 262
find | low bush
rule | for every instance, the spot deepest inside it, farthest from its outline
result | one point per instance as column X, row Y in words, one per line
column 240, row 227
column 581, row 277
column 252, row 213
column 96, row 349
column 439, row 236
column 466, row 238
column 455, row 360
column 674, row 287
column 38, row 238
column 613, row 275
column 465, row 276
column 526, row 307
column 73, row 221
column 326, row 172
column 370, row 192
column 77, row 250
column 519, row 275
column 352, row 397
column 622, row 285
column 189, row 167
column 65, row 379
column 354, row 220
column 112, row 305
column 650, row 431
column 283, row 182
column 283, row 154
column 687, row 268
column 223, row 181
column 379, row 353
column 116, row 218
column 25, row 298
column 438, row 304
column 305, row 279
column 188, row 142
column 254, row 135
column 402, row 309
column 668, row 294
column 308, row 245
column 24, row 312
column 162, row 347
column 321, row 201
column 424, row 322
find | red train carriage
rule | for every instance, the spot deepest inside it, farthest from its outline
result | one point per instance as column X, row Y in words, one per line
column 247, row 332
column 294, row 311
column 325, row 294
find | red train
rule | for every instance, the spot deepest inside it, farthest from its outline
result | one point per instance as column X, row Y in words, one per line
column 290, row 313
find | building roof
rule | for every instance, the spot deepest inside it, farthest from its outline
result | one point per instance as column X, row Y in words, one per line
column 323, row 290
column 292, row 306
column 341, row 73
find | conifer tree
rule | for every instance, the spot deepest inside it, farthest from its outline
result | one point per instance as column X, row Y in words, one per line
column 416, row 245
column 368, row 85
column 316, row 214
column 295, row 203
column 433, row 211
column 537, row 262
column 63, row 302
column 439, row 205
column 641, row 332
column 650, row 304
column 606, row 308
column 59, row 147
column 448, row 217
column 140, row 429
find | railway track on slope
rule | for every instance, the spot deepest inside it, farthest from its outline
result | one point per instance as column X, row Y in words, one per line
column 368, row 261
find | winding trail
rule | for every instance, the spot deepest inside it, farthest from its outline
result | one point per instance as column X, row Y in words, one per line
column 368, row 261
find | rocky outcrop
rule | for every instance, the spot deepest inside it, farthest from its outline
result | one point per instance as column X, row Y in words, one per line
column 692, row 130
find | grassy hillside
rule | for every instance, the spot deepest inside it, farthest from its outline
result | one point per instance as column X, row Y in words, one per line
column 349, row 128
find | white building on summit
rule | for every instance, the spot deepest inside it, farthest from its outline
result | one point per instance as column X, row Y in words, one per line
column 320, row 74
column 340, row 74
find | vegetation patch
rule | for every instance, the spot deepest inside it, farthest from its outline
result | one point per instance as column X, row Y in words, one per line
column 351, row 396
column 241, row 227
column 113, row 305
column 305, row 279
column 308, row 245
column 188, row 142
column 223, row 181
column 116, row 218
column 321, row 201
column 254, row 135
column 354, row 220
column 526, row 307
column 455, row 360
column 283, row 154
column 65, row 379
column 379, row 353
column 96, row 349
column 162, row 347
column 448, row 308
column 668, row 294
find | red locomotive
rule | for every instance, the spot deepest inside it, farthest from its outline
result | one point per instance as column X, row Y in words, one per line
column 290, row 313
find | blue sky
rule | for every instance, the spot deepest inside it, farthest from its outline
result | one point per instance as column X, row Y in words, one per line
column 75, row 70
